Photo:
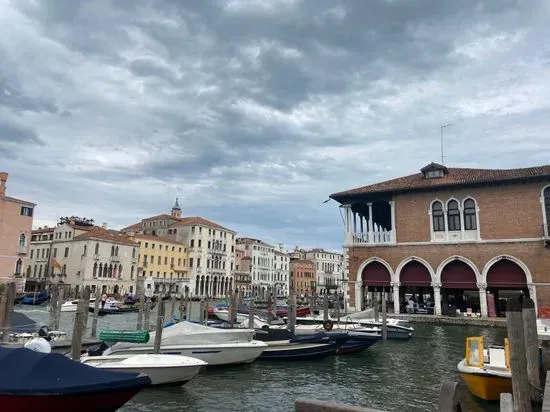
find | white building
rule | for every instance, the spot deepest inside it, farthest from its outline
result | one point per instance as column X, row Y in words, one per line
column 39, row 257
column 210, row 246
column 330, row 269
column 270, row 268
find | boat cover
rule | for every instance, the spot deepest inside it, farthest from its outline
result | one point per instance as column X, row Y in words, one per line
column 188, row 333
column 21, row 323
column 25, row 372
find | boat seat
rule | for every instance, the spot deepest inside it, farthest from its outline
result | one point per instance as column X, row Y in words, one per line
column 497, row 357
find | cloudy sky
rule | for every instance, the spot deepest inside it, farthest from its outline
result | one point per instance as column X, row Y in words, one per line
column 254, row 111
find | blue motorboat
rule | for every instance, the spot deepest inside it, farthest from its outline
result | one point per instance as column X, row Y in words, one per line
column 53, row 382
column 356, row 343
column 33, row 299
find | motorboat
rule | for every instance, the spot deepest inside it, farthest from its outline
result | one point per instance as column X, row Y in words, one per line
column 397, row 328
column 212, row 345
column 35, row 299
column 283, row 345
column 113, row 307
column 24, row 329
column 161, row 369
column 71, row 305
column 486, row 371
column 360, row 338
column 54, row 382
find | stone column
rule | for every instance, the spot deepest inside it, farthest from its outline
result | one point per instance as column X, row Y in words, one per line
column 396, row 302
column 371, row 224
column 437, row 298
column 482, row 299
column 348, row 237
column 533, row 295
column 393, row 228
column 358, row 295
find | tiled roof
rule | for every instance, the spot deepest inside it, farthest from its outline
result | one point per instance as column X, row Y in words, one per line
column 24, row 202
column 157, row 238
column 197, row 220
column 132, row 228
column 80, row 227
column 98, row 233
column 159, row 217
column 455, row 177
column 43, row 230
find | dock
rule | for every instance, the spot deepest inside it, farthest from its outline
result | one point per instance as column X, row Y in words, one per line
column 452, row 320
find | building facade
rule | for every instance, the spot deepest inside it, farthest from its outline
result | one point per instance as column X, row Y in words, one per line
column 210, row 248
column 466, row 238
column 37, row 274
column 302, row 274
column 262, row 265
column 164, row 262
column 15, row 232
column 329, row 268
column 281, row 272
column 105, row 260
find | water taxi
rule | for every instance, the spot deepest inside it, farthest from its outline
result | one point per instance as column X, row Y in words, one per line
column 486, row 371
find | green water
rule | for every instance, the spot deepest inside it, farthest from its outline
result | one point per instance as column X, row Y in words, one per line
column 392, row 376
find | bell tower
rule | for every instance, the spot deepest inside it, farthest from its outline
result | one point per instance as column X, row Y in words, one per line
column 176, row 209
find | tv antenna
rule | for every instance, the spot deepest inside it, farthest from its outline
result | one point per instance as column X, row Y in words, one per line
column 443, row 126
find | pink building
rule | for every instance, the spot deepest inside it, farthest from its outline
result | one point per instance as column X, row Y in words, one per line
column 15, row 234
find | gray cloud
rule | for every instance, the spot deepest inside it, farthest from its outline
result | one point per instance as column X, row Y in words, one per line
column 253, row 111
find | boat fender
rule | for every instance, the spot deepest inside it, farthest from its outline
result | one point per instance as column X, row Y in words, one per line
column 327, row 325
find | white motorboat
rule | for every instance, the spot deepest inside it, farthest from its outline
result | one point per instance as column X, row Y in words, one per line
column 161, row 369
column 354, row 328
column 70, row 305
column 212, row 345
column 223, row 314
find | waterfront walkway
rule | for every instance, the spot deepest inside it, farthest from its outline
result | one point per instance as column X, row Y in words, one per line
column 450, row 320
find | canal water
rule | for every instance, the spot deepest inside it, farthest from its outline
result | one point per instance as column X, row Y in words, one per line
column 392, row 375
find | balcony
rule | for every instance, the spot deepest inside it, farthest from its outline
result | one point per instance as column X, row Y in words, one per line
column 96, row 257
column 114, row 259
column 22, row 251
column 373, row 238
column 369, row 223
column 17, row 275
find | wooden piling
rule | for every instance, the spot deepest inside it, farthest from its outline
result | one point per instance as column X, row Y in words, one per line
column 173, row 307
column 54, row 297
column 9, row 300
column 233, row 309
column 95, row 318
column 59, row 303
column 384, row 318
column 147, row 315
column 325, row 307
column 269, row 307
column 530, row 333
column 311, row 299
column 160, row 326
column 518, row 360
column 187, row 305
column 337, row 309
column 78, row 330
column 292, row 314
column 205, row 316
column 86, row 297
column 449, row 397
column 251, row 315
column 375, row 307
column 201, row 311
column 140, row 292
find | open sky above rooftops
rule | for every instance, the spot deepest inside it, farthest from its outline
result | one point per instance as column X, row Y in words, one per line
column 253, row 112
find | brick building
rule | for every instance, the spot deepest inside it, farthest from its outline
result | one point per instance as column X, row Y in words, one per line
column 15, row 232
column 467, row 236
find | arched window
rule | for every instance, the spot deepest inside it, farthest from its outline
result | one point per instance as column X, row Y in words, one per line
column 133, row 253
column 85, row 248
column 97, row 248
column 116, row 251
column 100, row 272
column 18, row 266
column 119, row 271
column 453, row 215
column 437, row 217
column 22, row 240
column 112, row 250
column 546, row 196
column 94, row 272
column 470, row 221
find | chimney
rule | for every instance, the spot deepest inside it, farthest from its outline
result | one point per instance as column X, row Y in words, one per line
column 281, row 247
column 104, row 225
column 3, row 180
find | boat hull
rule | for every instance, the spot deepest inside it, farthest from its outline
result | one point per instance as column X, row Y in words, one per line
column 88, row 402
column 355, row 345
column 487, row 387
column 214, row 355
column 298, row 351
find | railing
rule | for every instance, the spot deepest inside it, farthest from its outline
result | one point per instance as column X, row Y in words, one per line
column 22, row 250
column 369, row 238
column 115, row 259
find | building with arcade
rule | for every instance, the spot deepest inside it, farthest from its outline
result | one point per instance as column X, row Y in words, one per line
column 450, row 239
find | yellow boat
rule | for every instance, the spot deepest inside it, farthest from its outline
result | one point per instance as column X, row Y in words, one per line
column 486, row 371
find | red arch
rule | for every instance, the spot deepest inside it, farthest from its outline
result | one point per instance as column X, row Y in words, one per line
column 506, row 274
column 458, row 275
column 376, row 274
column 414, row 273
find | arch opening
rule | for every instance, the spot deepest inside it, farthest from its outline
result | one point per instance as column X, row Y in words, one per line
column 416, row 292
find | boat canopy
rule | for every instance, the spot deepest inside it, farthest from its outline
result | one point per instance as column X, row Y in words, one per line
column 26, row 372
column 188, row 333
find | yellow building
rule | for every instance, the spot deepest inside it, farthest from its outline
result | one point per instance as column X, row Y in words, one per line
column 163, row 262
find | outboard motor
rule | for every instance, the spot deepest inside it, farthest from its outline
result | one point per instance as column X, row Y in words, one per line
column 98, row 350
column 44, row 332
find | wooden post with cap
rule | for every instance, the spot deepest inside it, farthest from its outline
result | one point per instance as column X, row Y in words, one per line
column 518, row 360
column 532, row 351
